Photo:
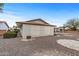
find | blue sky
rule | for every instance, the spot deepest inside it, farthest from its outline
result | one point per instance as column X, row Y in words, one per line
column 53, row 13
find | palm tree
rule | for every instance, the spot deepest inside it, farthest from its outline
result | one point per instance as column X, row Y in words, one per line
column 1, row 7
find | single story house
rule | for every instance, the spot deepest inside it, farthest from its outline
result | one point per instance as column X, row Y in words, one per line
column 35, row 28
column 3, row 28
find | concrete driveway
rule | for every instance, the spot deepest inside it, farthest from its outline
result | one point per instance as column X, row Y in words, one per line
column 41, row 46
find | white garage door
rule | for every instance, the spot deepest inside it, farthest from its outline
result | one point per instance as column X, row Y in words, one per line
column 36, row 31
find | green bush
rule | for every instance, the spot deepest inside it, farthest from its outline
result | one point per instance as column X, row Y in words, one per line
column 10, row 34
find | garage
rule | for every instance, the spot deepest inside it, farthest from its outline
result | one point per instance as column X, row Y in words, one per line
column 35, row 28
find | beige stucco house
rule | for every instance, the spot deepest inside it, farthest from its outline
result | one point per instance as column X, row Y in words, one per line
column 3, row 28
column 35, row 28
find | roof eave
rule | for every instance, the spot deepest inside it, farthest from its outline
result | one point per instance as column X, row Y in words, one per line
column 35, row 24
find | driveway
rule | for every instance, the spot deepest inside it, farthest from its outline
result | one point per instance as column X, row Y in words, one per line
column 41, row 46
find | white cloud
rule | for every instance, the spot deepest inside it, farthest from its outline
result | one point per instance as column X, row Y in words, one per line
column 54, row 22
column 10, row 19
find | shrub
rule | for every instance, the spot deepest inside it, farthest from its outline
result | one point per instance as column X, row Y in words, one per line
column 10, row 34
column 16, row 30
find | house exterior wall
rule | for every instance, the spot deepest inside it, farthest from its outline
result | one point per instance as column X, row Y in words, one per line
column 2, row 33
column 3, row 26
column 36, row 31
column 3, row 29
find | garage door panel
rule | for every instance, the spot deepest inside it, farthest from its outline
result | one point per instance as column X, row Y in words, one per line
column 35, row 31
column 51, row 31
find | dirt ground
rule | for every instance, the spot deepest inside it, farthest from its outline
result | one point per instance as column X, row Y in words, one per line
column 41, row 46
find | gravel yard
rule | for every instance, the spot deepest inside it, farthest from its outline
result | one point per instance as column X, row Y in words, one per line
column 40, row 46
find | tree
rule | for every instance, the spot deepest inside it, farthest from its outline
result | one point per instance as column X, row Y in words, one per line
column 1, row 7
column 72, row 24
column 14, row 29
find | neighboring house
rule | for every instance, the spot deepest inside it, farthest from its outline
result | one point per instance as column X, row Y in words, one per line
column 3, row 28
column 59, row 29
column 35, row 28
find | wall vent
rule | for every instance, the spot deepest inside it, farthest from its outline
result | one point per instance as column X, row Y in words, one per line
column 28, row 37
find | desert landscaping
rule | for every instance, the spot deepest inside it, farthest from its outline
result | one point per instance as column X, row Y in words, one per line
column 40, row 46
column 39, row 29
